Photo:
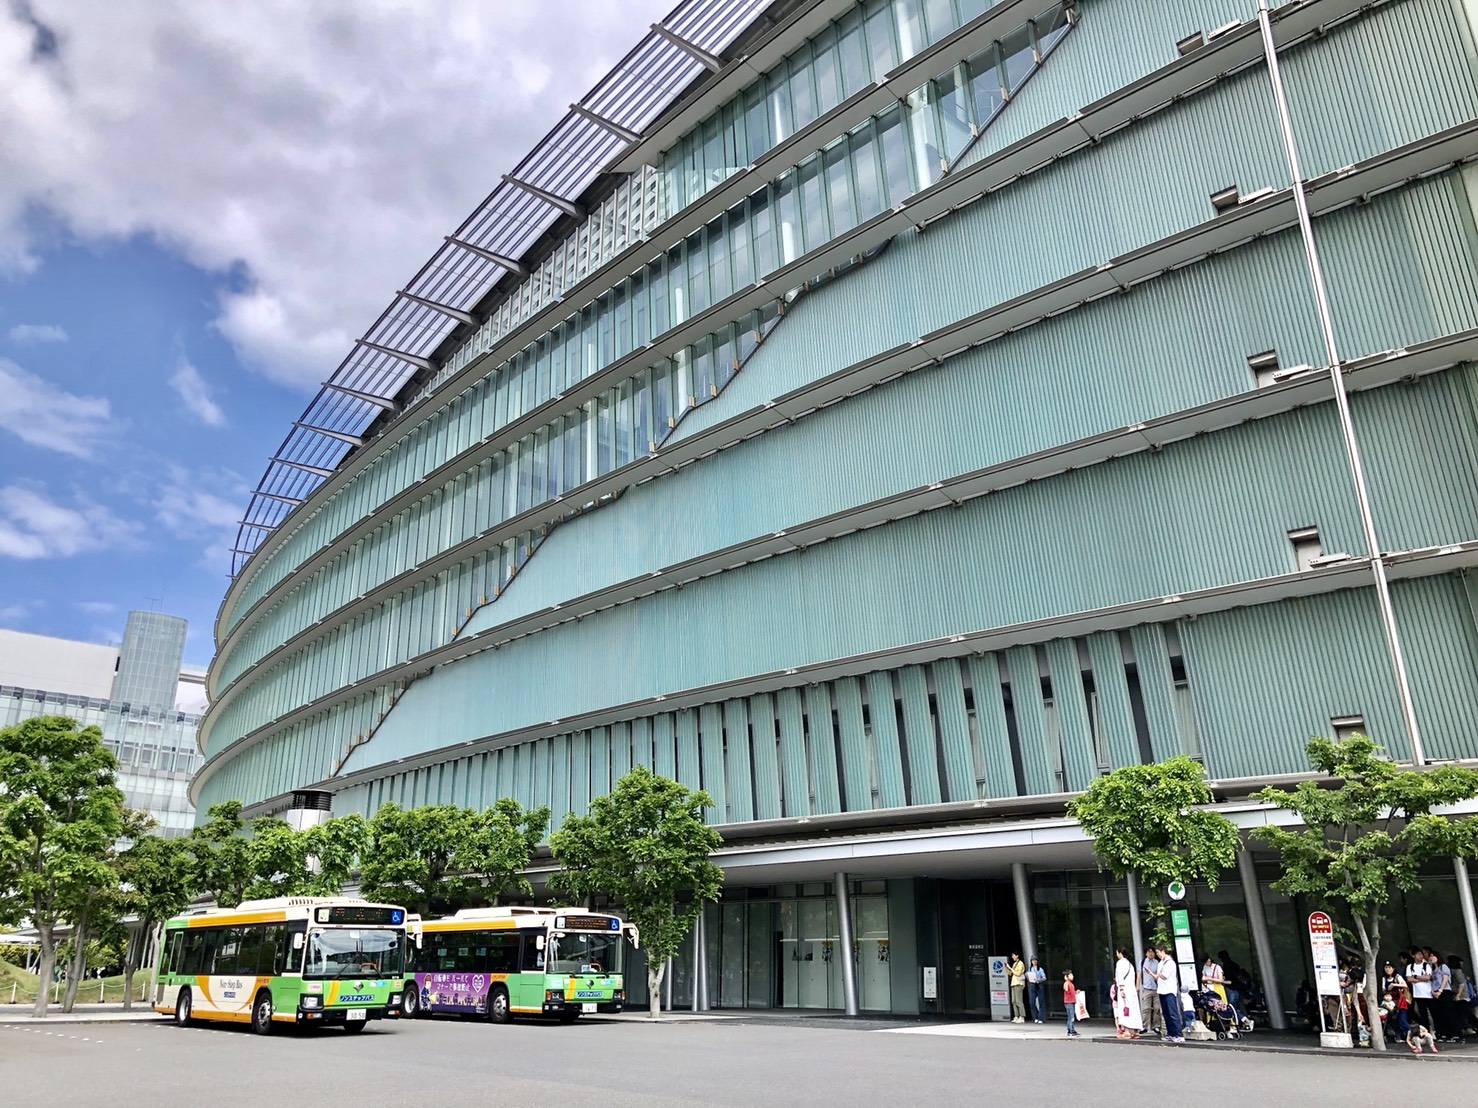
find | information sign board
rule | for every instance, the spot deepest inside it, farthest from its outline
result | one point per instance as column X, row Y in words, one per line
column 1326, row 959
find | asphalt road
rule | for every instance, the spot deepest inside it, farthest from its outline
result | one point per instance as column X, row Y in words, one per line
column 621, row 1062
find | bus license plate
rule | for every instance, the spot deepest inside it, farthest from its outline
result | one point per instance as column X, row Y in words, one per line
column 587, row 1007
column 355, row 1014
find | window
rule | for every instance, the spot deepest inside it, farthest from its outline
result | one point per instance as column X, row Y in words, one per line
column 1264, row 367
column 1307, row 547
column 1346, row 727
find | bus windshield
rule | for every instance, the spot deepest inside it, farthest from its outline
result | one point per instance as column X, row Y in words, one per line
column 592, row 953
column 340, row 952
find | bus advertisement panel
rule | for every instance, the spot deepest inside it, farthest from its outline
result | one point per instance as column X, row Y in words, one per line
column 290, row 960
column 498, row 962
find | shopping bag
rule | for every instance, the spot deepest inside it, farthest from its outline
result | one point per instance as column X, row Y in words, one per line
column 1082, row 1007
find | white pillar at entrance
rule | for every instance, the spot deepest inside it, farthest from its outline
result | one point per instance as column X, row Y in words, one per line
column 1465, row 898
column 844, row 929
column 1136, row 926
column 703, row 1004
column 667, row 986
column 697, row 962
column 1024, row 910
column 1257, row 923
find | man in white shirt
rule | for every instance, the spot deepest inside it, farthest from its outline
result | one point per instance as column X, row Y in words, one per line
column 1419, row 977
column 1167, row 986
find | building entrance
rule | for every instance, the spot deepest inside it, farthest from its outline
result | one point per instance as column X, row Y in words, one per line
column 977, row 919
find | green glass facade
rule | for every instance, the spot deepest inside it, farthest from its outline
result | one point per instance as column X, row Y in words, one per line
column 915, row 431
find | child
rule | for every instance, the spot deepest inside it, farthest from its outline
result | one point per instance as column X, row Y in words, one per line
column 1070, row 1002
column 1419, row 1037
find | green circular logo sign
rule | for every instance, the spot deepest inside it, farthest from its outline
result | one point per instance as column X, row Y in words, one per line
column 1175, row 890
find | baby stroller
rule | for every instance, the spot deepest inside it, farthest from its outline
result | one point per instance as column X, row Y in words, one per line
column 1218, row 1015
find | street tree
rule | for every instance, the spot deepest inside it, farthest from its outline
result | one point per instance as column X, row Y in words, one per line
column 96, row 910
column 646, row 845
column 155, row 883
column 332, row 849
column 1368, row 831
column 222, row 861
column 1150, row 821
column 408, row 858
column 60, row 814
column 499, row 843
column 279, row 859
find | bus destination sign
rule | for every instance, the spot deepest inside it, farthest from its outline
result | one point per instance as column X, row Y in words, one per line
column 587, row 923
column 363, row 915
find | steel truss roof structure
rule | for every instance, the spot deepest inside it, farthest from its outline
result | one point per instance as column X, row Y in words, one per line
column 486, row 247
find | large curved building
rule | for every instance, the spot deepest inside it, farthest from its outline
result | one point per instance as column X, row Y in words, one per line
column 889, row 416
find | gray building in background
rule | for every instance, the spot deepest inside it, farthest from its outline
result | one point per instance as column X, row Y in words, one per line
column 138, row 694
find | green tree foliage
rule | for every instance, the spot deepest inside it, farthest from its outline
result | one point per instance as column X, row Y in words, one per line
column 1368, row 830
column 332, row 849
column 156, row 882
column 645, row 844
column 438, row 858
column 221, row 860
column 60, row 814
column 1149, row 821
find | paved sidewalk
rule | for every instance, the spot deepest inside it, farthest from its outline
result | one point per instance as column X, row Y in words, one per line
column 1000, row 1029
column 1294, row 1042
column 81, row 1013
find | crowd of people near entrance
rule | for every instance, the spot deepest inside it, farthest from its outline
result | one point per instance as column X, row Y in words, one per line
column 1422, row 998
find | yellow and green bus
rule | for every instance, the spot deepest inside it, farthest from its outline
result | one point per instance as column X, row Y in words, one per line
column 500, row 962
column 302, row 961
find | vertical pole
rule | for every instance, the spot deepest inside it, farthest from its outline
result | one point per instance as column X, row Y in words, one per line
column 667, row 986
column 1341, row 399
column 1262, row 946
column 1136, row 926
column 844, row 933
column 697, row 961
column 1024, row 910
column 1470, row 918
column 703, row 999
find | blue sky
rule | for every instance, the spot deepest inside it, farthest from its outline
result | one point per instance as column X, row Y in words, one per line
column 201, row 204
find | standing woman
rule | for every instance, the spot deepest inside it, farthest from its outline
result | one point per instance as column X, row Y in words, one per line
column 1128, row 1021
column 1036, row 990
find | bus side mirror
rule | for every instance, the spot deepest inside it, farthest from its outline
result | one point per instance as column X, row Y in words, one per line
column 538, row 942
column 297, row 940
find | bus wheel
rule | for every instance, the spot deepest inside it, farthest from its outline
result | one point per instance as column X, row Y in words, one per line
column 182, row 1008
column 498, row 1009
column 410, row 1003
column 261, row 1013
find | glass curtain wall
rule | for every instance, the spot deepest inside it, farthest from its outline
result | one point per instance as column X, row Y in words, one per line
column 877, row 165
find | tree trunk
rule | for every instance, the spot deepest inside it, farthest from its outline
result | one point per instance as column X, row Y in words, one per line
column 45, row 967
column 1369, row 942
column 654, row 988
column 77, row 969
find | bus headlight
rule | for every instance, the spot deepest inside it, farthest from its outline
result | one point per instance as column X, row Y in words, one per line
column 312, row 1001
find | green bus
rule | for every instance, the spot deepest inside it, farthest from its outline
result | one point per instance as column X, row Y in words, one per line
column 302, row 961
column 500, row 962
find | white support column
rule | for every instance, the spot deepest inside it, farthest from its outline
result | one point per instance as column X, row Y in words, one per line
column 1024, row 910
column 844, row 933
column 1136, row 925
column 703, row 999
column 667, row 987
column 1257, row 924
column 1465, row 899
column 697, row 972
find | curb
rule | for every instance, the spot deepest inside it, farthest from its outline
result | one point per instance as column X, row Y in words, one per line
column 85, row 1017
column 1309, row 1051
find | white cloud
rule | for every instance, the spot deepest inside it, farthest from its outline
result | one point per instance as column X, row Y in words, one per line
column 30, row 333
column 34, row 526
column 313, row 153
column 194, row 393
column 96, row 607
column 38, row 412
column 203, row 506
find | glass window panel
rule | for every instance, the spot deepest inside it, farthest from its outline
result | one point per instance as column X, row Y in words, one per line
column 827, row 73
column 739, row 249
column 865, row 166
column 698, row 297
column 984, row 73
column 1052, row 24
column 896, row 173
column 717, row 246
column 940, row 17
column 923, row 135
column 851, row 48
column 812, row 205
column 756, row 121
column 1020, row 58
column 802, row 95
column 954, row 113
column 882, row 53
column 761, row 225
column 779, row 102
column 908, row 21
column 839, row 189
column 788, row 218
